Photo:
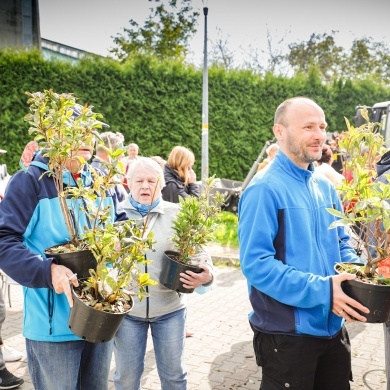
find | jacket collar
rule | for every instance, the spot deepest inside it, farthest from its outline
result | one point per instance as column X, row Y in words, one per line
column 283, row 162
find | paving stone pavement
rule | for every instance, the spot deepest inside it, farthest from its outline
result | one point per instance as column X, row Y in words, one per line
column 219, row 356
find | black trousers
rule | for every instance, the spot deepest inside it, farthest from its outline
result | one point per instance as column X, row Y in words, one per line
column 303, row 363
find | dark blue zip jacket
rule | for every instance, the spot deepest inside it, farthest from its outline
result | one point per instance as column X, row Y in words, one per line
column 31, row 221
column 287, row 251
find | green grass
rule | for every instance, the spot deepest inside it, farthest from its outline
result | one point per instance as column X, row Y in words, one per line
column 226, row 232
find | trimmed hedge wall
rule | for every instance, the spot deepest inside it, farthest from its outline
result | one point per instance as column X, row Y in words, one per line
column 158, row 105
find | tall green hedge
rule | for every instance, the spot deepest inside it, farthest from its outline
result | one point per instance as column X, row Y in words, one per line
column 159, row 104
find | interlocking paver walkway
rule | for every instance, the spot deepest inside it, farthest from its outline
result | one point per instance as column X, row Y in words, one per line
column 219, row 356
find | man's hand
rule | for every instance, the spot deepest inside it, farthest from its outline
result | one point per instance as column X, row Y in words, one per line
column 343, row 305
column 61, row 278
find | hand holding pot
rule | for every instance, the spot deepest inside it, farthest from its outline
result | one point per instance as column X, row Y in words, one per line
column 343, row 305
column 193, row 280
column 61, row 278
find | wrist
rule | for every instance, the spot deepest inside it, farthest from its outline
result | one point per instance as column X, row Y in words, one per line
column 210, row 280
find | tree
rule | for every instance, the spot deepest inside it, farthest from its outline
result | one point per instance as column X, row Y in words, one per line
column 271, row 60
column 369, row 58
column 320, row 51
column 165, row 33
column 365, row 59
column 221, row 55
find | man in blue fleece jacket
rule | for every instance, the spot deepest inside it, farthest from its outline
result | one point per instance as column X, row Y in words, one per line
column 31, row 221
column 287, row 254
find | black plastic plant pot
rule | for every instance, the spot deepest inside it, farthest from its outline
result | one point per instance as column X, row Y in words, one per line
column 375, row 297
column 79, row 262
column 93, row 325
column 170, row 274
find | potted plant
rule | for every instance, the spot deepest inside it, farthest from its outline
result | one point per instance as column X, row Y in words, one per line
column 367, row 216
column 58, row 132
column 116, row 248
column 105, row 297
column 193, row 228
column 102, row 300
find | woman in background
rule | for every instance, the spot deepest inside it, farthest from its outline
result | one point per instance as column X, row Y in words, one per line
column 324, row 166
column 180, row 178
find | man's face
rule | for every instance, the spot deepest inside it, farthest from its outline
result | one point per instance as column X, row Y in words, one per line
column 86, row 150
column 132, row 151
column 303, row 133
column 145, row 184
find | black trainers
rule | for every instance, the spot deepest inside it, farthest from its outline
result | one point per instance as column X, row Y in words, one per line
column 8, row 380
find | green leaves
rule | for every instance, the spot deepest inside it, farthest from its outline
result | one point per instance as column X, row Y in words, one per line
column 196, row 221
column 165, row 33
column 366, row 200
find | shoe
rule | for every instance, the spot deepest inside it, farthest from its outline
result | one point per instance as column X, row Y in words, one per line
column 10, row 354
column 8, row 380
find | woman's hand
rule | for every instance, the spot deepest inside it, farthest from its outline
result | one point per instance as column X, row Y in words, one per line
column 193, row 280
column 192, row 176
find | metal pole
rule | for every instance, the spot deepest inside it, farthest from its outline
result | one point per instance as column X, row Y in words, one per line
column 205, row 102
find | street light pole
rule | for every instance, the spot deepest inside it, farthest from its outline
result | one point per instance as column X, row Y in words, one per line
column 205, row 101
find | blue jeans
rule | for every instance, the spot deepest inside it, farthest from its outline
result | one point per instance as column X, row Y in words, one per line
column 168, row 333
column 69, row 365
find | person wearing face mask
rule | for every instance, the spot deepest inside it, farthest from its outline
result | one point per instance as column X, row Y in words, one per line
column 30, row 222
column 163, row 311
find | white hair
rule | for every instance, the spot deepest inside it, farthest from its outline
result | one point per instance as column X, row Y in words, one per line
column 148, row 164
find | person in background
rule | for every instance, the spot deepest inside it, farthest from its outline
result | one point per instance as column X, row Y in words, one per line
column 288, row 253
column 30, row 222
column 338, row 157
column 132, row 155
column 7, row 354
column 271, row 153
column 111, row 141
column 29, row 151
column 163, row 311
column 159, row 160
column 324, row 166
column 180, row 178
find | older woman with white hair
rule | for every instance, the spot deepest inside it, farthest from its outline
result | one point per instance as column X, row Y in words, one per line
column 164, row 310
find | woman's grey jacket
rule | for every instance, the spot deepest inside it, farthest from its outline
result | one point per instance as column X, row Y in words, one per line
column 161, row 300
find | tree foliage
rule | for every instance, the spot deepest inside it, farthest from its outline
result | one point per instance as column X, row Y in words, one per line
column 164, row 34
column 158, row 104
column 365, row 59
column 320, row 51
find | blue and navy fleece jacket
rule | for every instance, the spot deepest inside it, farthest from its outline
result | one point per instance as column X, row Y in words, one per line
column 31, row 221
column 287, row 251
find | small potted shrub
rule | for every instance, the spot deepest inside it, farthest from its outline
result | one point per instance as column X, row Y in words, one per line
column 367, row 216
column 193, row 227
column 58, row 132
column 102, row 300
